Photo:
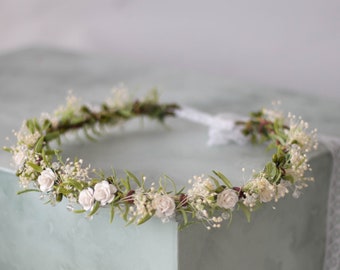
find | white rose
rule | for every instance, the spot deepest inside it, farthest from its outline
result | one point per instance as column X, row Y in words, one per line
column 104, row 192
column 86, row 198
column 46, row 180
column 164, row 206
column 19, row 159
column 227, row 199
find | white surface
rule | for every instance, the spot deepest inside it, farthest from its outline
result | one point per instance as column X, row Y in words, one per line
column 289, row 44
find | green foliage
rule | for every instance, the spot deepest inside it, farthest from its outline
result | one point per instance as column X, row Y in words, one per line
column 7, row 149
column 144, row 219
column 35, row 167
column 112, row 212
column 272, row 172
column 185, row 216
column 245, row 210
column 55, row 135
column 27, row 190
column 130, row 175
column 39, row 145
column 95, row 208
column 224, row 179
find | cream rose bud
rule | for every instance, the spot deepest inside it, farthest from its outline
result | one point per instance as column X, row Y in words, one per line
column 104, row 192
column 46, row 180
column 164, row 206
column 227, row 199
column 86, row 198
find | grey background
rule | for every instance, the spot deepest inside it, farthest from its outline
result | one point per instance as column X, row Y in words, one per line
column 291, row 44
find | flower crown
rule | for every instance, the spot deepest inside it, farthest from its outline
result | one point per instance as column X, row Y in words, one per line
column 209, row 200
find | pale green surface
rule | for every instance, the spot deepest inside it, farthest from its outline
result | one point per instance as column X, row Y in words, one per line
column 289, row 238
column 37, row 236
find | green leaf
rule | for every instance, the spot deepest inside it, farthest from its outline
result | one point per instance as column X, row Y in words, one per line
column 224, row 179
column 180, row 191
column 172, row 182
column 27, row 190
column 63, row 190
column 47, row 124
column 95, row 208
column 76, row 120
column 36, row 124
column 217, row 183
column 144, row 219
column 112, row 212
column 86, row 110
column 134, row 178
column 7, row 149
column 277, row 177
column 30, row 126
column 39, row 145
column 34, row 166
column 185, row 216
column 79, row 211
column 126, row 183
column 59, row 197
column 245, row 210
column 124, row 113
column 132, row 220
column 289, row 178
column 74, row 183
column 126, row 212
column 49, row 152
column 88, row 135
column 52, row 136
column 45, row 156
column 95, row 131
column 270, row 170
column 231, row 217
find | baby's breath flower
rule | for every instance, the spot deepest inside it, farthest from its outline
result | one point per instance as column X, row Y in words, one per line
column 202, row 188
column 262, row 187
column 272, row 115
column 120, row 97
column 298, row 134
column 26, row 137
column 250, row 199
column 282, row 190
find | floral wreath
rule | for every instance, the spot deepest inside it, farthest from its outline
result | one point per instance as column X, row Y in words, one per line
column 209, row 200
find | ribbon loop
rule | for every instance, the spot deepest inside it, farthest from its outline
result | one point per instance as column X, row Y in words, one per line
column 222, row 127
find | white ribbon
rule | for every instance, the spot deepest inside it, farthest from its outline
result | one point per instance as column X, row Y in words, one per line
column 222, row 128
